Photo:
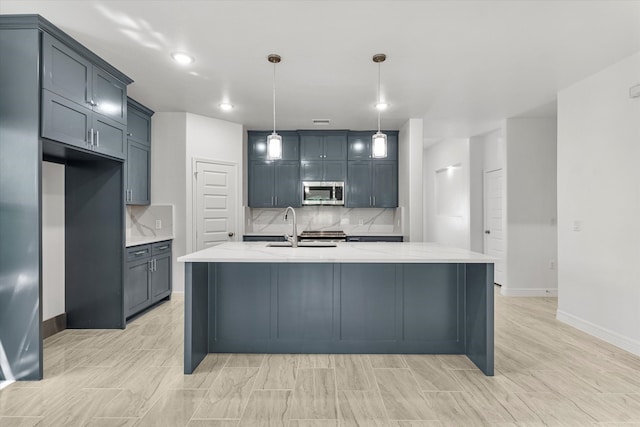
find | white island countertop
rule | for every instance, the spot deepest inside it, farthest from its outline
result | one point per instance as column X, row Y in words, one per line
column 378, row 252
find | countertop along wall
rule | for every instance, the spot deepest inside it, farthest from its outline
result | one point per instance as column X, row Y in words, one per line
column 599, row 205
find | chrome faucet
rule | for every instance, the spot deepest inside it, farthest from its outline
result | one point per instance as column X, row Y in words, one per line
column 293, row 239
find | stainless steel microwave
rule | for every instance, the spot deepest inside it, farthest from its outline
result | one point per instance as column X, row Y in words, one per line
column 323, row 193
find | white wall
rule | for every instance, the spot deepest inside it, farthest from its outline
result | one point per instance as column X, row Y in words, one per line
column 53, row 271
column 531, row 207
column 168, row 180
column 211, row 139
column 599, row 205
column 410, row 174
column 177, row 139
column 450, row 227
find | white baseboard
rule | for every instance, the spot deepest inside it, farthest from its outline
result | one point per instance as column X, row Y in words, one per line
column 529, row 292
column 625, row 343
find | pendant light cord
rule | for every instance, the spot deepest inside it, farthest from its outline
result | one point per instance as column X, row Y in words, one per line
column 274, row 97
column 377, row 106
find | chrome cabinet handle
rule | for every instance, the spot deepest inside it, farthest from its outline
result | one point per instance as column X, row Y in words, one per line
column 91, row 137
column 129, row 134
column 374, row 200
column 161, row 248
column 272, row 204
column 150, row 265
column 97, row 138
column 370, row 204
column 154, row 264
column 140, row 253
column 276, row 201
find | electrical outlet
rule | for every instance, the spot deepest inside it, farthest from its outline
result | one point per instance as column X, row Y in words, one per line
column 577, row 225
column 158, row 224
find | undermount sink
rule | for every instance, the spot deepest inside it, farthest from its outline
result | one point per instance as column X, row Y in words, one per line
column 302, row 245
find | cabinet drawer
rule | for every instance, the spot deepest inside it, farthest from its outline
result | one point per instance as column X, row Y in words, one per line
column 138, row 252
column 161, row 248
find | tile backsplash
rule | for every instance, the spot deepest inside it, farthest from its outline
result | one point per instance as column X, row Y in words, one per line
column 142, row 221
column 351, row 221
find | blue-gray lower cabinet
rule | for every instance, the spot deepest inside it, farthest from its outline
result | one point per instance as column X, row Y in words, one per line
column 375, row 238
column 147, row 276
column 440, row 308
column 265, row 238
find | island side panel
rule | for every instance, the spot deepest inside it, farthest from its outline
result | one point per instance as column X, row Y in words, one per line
column 196, row 313
column 479, row 316
column 433, row 301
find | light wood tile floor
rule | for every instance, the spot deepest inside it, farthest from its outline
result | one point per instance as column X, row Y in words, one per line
column 547, row 374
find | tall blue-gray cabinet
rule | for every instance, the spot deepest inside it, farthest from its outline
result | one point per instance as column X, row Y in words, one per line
column 82, row 104
column 371, row 182
column 147, row 276
column 323, row 155
column 48, row 83
column 273, row 183
column 138, row 188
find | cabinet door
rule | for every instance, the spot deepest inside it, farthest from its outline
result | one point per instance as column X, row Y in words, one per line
column 334, row 170
column 287, row 184
column 392, row 146
column 385, row 184
column 138, row 126
column 359, row 145
column 311, row 147
column 161, row 277
column 65, row 121
column 137, row 292
column 290, row 146
column 138, row 167
column 311, row 171
column 109, row 137
column 261, row 184
column 66, row 73
column 109, row 96
column 358, row 185
column 335, row 147
column 257, row 149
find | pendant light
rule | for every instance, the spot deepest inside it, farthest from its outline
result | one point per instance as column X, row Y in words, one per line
column 274, row 141
column 379, row 139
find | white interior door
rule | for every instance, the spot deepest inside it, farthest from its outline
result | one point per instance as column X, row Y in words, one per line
column 215, row 203
column 494, row 243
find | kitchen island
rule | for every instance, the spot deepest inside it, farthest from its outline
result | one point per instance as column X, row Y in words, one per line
column 394, row 298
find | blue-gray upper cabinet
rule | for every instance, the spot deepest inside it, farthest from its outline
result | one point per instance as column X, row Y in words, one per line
column 257, row 149
column 274, row 184
column 372, row 184
column 359, row 145
column 323, row 155
column 82, row 104
column 138, row 188
column 326, row 145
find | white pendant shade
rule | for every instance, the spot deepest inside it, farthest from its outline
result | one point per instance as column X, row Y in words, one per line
column 274, row 146
column 379, row 145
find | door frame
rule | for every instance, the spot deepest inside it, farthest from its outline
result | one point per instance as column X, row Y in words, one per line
column 504, row 223
column 194, row 196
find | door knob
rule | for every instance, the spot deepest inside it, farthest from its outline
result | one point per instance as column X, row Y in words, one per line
column 487, row 231
column 231, row 233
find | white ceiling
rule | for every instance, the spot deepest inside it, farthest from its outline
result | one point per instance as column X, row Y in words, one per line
column 461, row 65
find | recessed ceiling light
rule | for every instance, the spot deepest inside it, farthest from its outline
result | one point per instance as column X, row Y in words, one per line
column 182, row 58
column 225, row 106
column 382, row 106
